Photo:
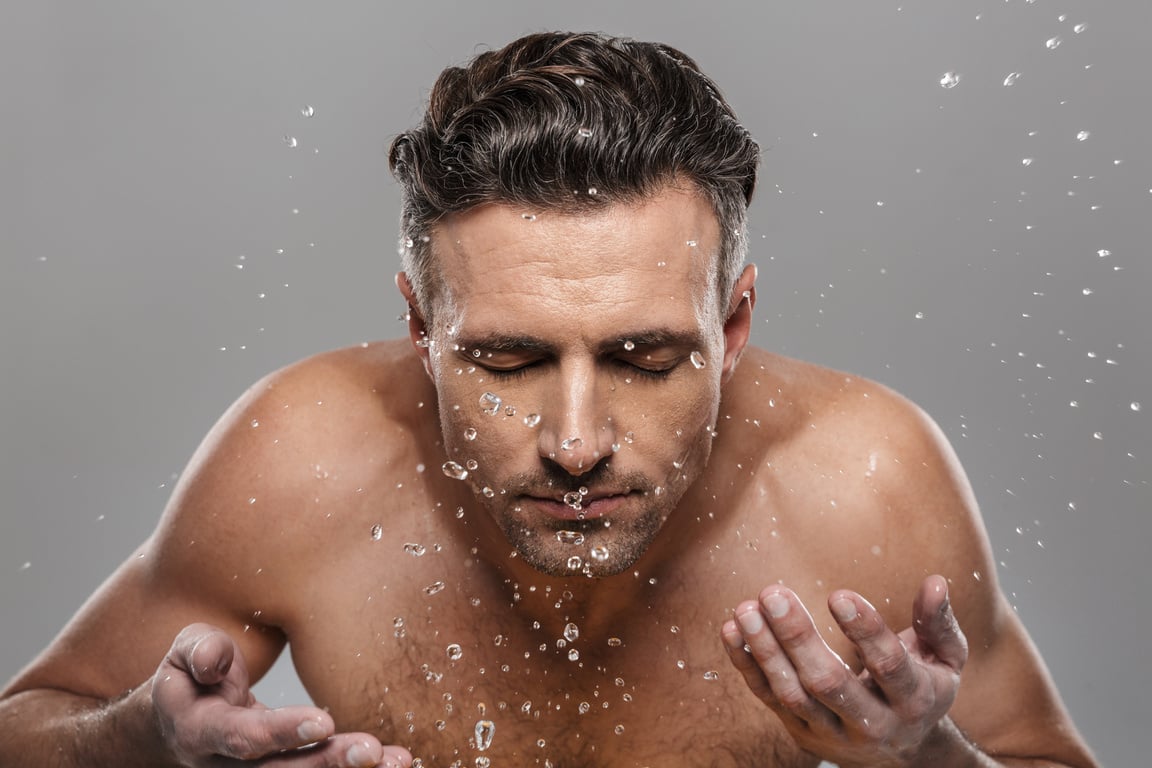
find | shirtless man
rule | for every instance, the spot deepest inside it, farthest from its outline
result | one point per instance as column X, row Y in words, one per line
column 572, row 520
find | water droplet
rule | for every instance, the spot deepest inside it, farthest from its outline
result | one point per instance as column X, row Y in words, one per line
column 1011, row 79
column 697, row 360
column 570, row 537
column 619, row 729
column 574, row 563
column 490, row 403
column 578, row 80
column 1134, row 406
column 574, row 499
column 377, row 532
column 692, row 243
column 291, row 141
column 599, row 554
column 470, row 434
column 585, row 133
column 416, row 550
column 629, row 437
column 1053, row 43
column 1026, row 161
column 454, row 470
column 919, row 315
column 488, row 492
column 1087, row 291
column 1103, row 253
column 593, row 191
column 471, row 465
column 434, row 588
column 711, row 675
column 629, row 345
column 976, row 575
column 583, row 706
column 483, row 761
column 571, row 632
column 1079, row 28
column 950, row 80
column 571, row 444
column 531, row 420
column 1083, row 135
column 615, row 642
column 528, row 216
column 1098, row 435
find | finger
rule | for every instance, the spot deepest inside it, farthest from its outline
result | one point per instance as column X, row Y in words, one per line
column 772, row 629
column 740, row 655
column 203, row 651
column 935, row 624
column 247, row 734
column 346, row 750
column 820, row 669
column 883, row 653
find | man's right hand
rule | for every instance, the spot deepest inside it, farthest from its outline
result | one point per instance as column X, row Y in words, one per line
column 209, row 718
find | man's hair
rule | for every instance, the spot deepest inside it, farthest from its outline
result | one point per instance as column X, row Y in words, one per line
column 568, row 123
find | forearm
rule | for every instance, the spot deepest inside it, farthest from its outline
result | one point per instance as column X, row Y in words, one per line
column 49, row 727
column 948, row 747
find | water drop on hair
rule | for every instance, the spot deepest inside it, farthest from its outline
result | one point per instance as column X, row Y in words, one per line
column 585, row 133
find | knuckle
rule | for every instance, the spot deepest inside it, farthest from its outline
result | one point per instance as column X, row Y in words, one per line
column 890, row 663
column 828, row 683
column 241, row 745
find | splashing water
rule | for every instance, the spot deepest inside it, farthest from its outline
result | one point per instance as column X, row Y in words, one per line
column 949, row 80
column 484, row 731
column 490, row 403
column 308, row 111
column 454, row 470
column 1011, row 79
column 570, row 537
column 1053, row 43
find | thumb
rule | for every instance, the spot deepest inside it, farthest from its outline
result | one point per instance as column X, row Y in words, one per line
column 209, row 656
column 935, row 625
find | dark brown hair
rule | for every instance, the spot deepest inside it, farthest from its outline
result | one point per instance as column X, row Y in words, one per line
column 567, row 122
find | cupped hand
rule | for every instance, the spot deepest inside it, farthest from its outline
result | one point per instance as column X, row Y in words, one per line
column 884, row 715
column 209, row 717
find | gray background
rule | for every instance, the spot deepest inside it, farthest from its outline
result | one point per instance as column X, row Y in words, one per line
column 899, row 233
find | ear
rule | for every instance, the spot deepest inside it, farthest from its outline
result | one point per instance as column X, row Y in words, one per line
column 417, row 327
column 738, row 326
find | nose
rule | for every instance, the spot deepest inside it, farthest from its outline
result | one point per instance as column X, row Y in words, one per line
column 579, row 431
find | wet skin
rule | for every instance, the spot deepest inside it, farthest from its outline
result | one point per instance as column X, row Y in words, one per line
column 781, row 484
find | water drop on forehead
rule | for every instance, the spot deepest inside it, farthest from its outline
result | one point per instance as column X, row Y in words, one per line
column 455, row 471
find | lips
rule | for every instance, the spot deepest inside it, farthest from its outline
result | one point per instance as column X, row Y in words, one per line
column 595, row 504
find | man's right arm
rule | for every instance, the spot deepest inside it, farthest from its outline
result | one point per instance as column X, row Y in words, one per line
column 135, row 678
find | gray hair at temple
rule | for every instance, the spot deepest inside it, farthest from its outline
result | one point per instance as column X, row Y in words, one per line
column 566, row 123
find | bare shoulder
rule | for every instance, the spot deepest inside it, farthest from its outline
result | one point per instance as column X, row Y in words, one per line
column 862, row 476
column 262, row 503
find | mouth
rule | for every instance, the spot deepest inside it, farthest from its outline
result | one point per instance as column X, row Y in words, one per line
column 575, row 505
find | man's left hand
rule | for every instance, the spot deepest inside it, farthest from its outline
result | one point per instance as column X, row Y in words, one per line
column 886, row 714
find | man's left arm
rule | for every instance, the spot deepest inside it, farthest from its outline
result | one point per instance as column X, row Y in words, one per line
column 934, row 693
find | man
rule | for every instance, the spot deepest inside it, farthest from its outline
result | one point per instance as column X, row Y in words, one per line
column 573, row 520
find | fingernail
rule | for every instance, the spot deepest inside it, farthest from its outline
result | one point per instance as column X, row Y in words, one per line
column 844, row 609
column 358, row 755
column 777, row 606
column 311, row 731
column 750, row 622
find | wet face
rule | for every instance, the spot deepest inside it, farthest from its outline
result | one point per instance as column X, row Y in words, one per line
column 578, row 363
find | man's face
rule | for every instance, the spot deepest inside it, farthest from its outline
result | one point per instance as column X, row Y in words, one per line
column 578, row 362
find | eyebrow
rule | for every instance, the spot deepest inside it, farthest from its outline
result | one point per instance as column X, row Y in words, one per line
column 648, row 337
